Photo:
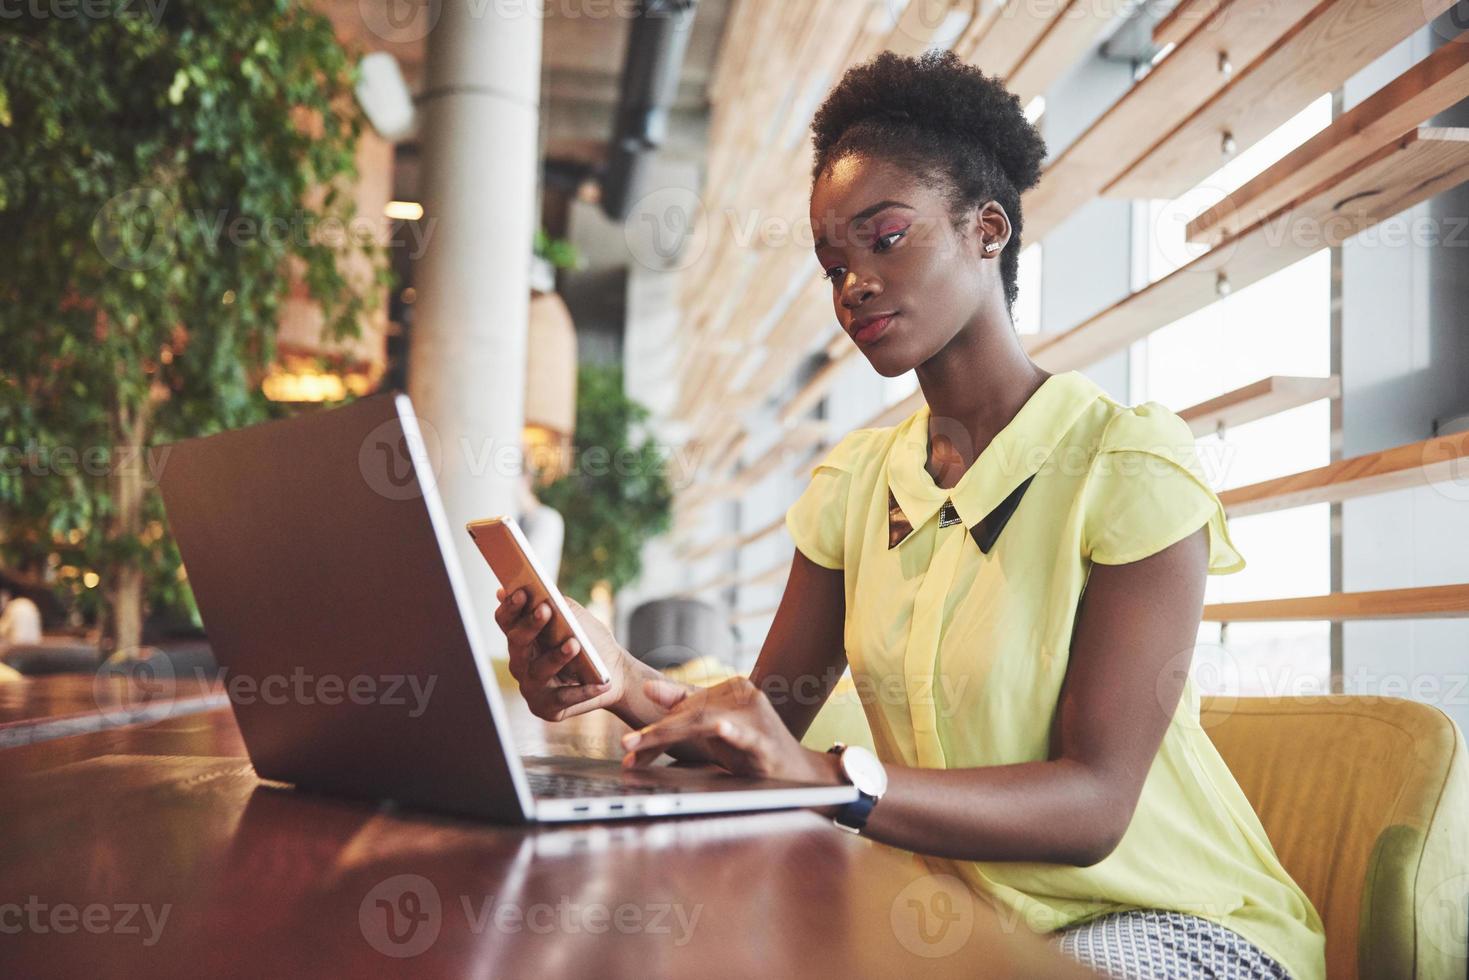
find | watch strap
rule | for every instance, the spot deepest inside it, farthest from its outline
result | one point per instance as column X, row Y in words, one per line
column 853, row 816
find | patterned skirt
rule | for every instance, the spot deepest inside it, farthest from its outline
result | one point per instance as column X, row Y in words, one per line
column 1152, row 944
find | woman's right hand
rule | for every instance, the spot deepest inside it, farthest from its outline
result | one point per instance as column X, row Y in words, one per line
column 543, row 671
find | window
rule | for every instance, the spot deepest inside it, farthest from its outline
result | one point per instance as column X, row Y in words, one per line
column 1280, row 325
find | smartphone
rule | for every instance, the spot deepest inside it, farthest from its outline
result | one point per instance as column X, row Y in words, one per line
column 505, row 547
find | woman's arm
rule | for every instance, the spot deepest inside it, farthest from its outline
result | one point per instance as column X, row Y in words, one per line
column 1134, row 638
column 1131, row 648
column 804, row 653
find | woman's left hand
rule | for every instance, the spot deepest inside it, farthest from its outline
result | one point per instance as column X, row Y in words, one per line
column 736, row 724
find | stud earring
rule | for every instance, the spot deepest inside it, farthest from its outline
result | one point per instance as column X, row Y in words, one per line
column 991, row 246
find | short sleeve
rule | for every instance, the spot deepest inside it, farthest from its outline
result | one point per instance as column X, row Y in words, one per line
column 817, row 521
column 1147, row 490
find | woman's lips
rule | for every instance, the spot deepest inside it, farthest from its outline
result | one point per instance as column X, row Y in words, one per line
column 873, row 329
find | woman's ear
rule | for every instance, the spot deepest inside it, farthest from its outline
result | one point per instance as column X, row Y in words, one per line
column 992, row 229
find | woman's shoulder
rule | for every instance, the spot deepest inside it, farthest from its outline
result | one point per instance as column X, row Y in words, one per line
column 860, row 450
column 1141, row 426
column 1149, row 427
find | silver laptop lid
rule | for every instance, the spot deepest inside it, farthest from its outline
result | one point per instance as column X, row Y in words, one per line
column 331, row 591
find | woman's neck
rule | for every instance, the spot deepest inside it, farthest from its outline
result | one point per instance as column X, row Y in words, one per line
column 974, row 387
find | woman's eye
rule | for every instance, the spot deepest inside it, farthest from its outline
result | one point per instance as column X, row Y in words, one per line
column 885, row 242
column 834, row 274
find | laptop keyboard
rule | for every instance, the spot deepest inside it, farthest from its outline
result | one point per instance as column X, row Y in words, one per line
column 563, row 785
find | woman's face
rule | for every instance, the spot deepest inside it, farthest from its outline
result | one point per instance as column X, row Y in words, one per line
column 904, row 280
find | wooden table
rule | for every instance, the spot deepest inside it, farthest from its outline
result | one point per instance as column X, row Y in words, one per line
column 154, row 850
column 35, row 709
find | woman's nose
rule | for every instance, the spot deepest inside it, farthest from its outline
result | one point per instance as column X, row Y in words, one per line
column 859, row 289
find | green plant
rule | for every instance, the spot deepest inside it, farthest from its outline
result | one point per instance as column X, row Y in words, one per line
column 557, row 251
column 166, row 174
column 617, row 494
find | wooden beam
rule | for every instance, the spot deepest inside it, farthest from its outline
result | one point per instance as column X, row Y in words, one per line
column 919, row 23
column 1268, row 396
column 897, row 411
column 728, row 457
column 818, row 385
column 731, row 542
column 1415, row 464
column 798, row 437
column 1183, row 20
column 1428, row 88
column 722, row 582
column 1320, row 53
column 775, row 573
column 1161, row 100
column 1060, row 48
column 1422, row 164
column 696, row 552
column 986, row 12
column 1014, row 35
column 760, row 534
column 1425, row 602
column 840, row 343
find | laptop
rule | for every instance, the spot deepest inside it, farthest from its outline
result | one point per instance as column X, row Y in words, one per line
column 323, row 565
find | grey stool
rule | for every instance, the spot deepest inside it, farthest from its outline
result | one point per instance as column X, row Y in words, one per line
column 53, row 655
column 664, row 633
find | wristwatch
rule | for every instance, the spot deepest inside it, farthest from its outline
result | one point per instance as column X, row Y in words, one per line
column 864, row 771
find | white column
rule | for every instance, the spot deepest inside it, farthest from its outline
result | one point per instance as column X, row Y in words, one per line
column 479, row 115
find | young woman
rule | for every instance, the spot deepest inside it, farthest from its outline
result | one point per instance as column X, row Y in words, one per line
column 1030, row 707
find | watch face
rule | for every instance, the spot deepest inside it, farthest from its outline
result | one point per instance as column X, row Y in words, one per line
column 864, row 770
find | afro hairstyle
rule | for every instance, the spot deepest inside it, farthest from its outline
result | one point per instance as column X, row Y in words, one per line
column 937, row 116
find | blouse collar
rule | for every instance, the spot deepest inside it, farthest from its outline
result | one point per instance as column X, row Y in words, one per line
column 991, row 488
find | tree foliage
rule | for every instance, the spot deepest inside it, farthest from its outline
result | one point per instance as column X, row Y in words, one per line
column 617, row 494
column 166, row 173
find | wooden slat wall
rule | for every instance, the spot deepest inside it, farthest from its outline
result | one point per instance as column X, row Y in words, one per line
column 1319, row 54
column 783, row 59
column 756, row 308
column 1424, row 162
column 1434, row 84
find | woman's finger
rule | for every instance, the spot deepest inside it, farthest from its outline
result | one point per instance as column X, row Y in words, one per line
column 651, row 742
column 575, row 699
column 528, row 627
column 736, row 734
column 547, row 665
column 509, row 609
column 666, row 693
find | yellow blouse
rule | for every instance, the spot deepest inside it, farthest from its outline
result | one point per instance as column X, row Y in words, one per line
column 963, row 651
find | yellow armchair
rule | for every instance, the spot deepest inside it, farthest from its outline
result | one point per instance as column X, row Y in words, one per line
column 1366, row 800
